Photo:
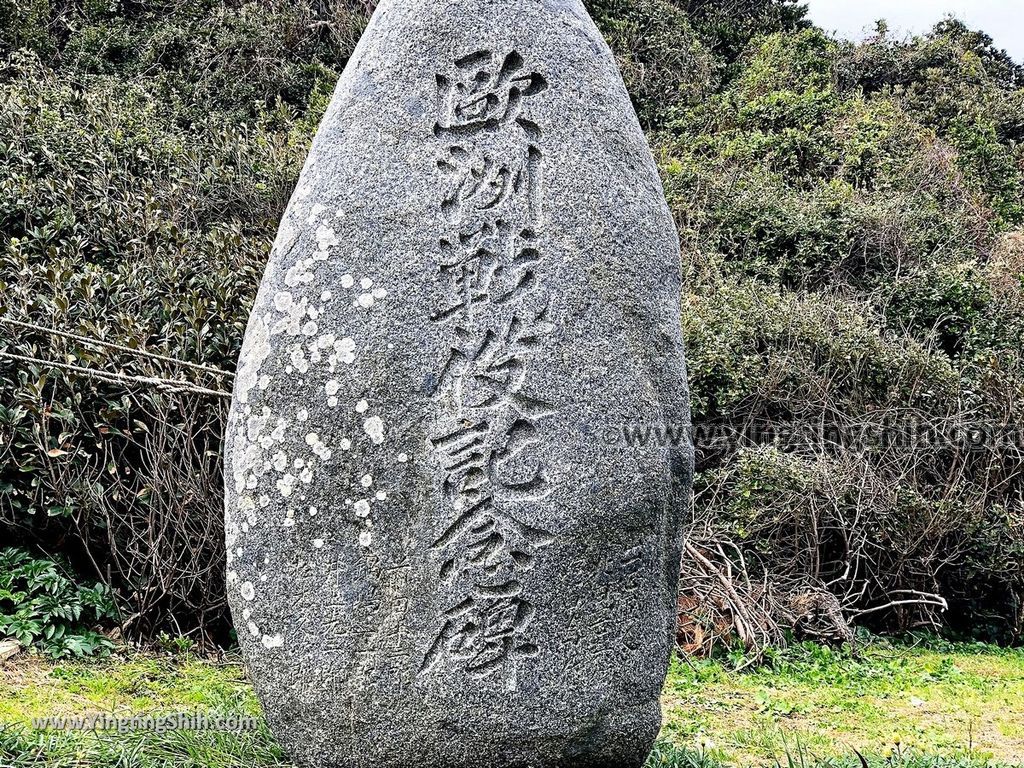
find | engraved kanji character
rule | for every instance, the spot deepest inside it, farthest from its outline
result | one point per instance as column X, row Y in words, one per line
column 483, row 633
column 479, row 95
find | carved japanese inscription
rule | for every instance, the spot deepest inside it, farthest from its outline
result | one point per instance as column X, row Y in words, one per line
column 496, row 312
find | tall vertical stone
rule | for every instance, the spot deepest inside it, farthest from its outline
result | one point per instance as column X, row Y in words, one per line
column 444, row 551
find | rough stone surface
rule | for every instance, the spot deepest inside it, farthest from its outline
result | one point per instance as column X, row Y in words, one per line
column 9, row 649
column 443, row 550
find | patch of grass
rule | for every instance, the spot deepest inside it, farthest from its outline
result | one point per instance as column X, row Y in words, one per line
column 124, row 686
column 960, row 702
column 22, row 747
column 129, row 686
column 929, row 705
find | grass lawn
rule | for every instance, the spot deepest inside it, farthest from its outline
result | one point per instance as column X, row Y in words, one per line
column 941, row 706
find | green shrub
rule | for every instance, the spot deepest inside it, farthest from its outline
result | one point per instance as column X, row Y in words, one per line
column 25, row 24
column 728, row 26
column 956, row 82
column 124, row 226
column 664, row 64
column 41, row 607
column 847, row 278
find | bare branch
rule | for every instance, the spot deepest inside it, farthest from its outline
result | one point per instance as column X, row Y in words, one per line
column 167, row 385
column 118, row 347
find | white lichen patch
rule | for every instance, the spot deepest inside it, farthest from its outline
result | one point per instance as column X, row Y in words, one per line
column 286, row 485
column 317, row 446
column 257, row 348
column 315, row 212
column 292, row 314
column 374, row 427
column 366, row 295
column 326, row 238
column 273, row 641
column 301, row 273
column 269, row 464
column 344, row 351
column 298, row 358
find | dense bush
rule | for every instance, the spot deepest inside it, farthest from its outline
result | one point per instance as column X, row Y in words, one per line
column 852, row 297
column 850, row 219
column 665, row 64
column 139, row 213
column 42, row 607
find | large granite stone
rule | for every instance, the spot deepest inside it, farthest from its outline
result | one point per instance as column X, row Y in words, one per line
column 443, row 553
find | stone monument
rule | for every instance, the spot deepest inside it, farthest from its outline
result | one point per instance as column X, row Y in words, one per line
column 444, row 548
